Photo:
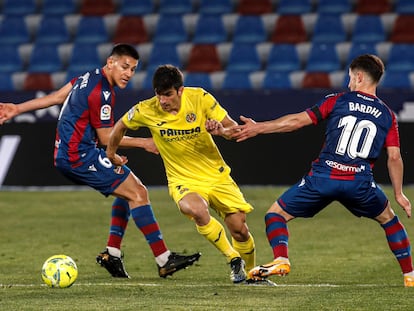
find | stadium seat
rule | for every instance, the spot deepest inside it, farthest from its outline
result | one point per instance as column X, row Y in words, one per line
column 215, row 7
column 404, row 7
column 316, row 80
column 237, row 81
column 136, row 8
column 368, row 29
column 19, row 7
column 84, row 57
column 243, row 58
column 334, row 6
column 97, row 8
column 204, row 58
column 170, row 29
column 329, row 29
column 360, row 48
column 372, row 7
column 91, row 29
column 6, row 82
column 38, row 82
column 130, row 29
column 294, row 7
column 283, row 57
column 254, row 7
column 401, row 58
column 163, row 53
column 249, row 29
column 323, row 58
column 61, row 7
column 10, row 60
column 198, row 80
column 402, row 31
column 209, row 29
column 177, row 7
column 45, row 58
column 395, row 80
column 13, row 30
column 52, row 30
column 276, row 80
column 289, row 29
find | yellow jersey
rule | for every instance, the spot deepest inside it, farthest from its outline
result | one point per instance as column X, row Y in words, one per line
column 188, row 151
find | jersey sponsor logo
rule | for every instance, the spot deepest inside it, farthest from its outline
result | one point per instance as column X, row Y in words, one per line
column 106, row 94
column 105, row 112
column 173, row 132
column 190, row 117
column 344, row 167
column 364, row 109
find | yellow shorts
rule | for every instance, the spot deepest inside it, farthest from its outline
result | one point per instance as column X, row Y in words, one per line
column 225, row 197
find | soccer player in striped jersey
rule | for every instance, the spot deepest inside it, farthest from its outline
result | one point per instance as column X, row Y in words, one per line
column 85, row 122
column 358, row 126
column 182, row 121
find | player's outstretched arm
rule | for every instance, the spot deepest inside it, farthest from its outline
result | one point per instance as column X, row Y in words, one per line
column 115, row 138
column 10, row 110
column 224, row 128
column 396, row 171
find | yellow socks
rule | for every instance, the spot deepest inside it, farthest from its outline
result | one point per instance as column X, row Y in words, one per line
column 247, row 251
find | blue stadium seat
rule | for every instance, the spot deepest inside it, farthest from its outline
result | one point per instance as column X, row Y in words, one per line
column 334, row 6
column 170, row 29
column 91, row 29
column 163, row 53
column 294, row 7
column 215, row 7
column 198, row 80
column 19, row 7
column 243, row 58
column 134, row 7
column 84, row 57
column 52, row 30
column 61, row 7
column 276, row 80
column 357, row 49
column 10, row 59
column 45, row 58
column 368, row 29
column 6, row 82
column 237, row 81
column 283, row 57
column 329, row 29
column 323, row 58
column 401, row 58
column 175, row 7
column 249, row 29
column 13, row 30
column 209, row 29
column 396, row 80
column 404, row 7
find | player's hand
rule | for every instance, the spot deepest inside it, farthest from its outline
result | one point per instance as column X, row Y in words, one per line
column 117, row 159
column 150, row 146
column 403, row 201
column 7, row 111
column 214, row 127
column 246, row 130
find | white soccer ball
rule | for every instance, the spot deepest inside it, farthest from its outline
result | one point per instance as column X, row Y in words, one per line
column 59, row 271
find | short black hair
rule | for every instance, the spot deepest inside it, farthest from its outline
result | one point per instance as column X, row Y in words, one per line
column 369, row 63
column 166, row 77
column 122, row 49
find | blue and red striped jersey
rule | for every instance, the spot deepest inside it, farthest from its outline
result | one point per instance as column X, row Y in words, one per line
column 88, row 107
column 358, row 127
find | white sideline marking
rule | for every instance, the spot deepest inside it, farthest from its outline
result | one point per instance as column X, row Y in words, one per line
column 193, row 285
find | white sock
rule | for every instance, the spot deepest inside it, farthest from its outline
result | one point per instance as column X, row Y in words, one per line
column 114, row 251
column 409, row 273
column 162, row 259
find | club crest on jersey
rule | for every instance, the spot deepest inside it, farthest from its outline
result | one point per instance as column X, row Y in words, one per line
column 106, row 112
column 190, row 117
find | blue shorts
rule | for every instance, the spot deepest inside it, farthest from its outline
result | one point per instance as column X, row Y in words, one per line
column 96, row 172
column 363, row 198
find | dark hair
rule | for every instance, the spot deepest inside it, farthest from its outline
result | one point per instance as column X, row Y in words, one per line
column 369, row 63
column 122, row 49
column 166, row 77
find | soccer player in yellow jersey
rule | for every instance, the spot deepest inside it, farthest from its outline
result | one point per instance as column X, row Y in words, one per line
column 182, row 121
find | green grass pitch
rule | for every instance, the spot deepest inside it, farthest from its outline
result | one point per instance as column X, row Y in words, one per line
column 339, row 262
